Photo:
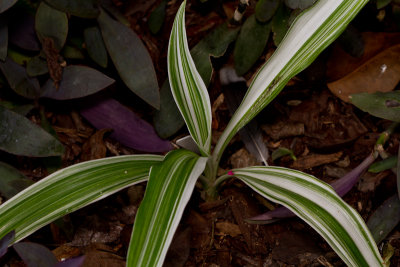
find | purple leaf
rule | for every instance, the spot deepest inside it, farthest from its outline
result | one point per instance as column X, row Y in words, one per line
column 5, row 242
column 77, row 81
column 342, row 186
column 128, row 128
column 73, row 262
column 22, row 32
column 35, row 255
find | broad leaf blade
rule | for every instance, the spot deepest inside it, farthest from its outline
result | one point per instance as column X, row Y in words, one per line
column 79, row 8
column 168, row 191
column 130, row 58
column 6, row 4
column 95, row 46
column 11, row 180
column 70, row 189
column 317, row 203
column 311, row 32
column 77, row 81
column 35, row 255
column 20, row 136
column 188, row 88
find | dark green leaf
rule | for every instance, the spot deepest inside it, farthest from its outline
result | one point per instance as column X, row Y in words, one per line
column 381, row 105
column 6, row 4
column 72, row 52
column 383, row 165
column 20, row 136
column 131, row 59
column 77, row 81
column 168, row 120
column 79, row 8
column 352, row 42
column 37, row 66
column 3, row 39
column 214, row 44
column 157, row 17
column 250, row 44
column 382, row 3
column 51, row 23
column 265, row 9
column 385, row 218
column 10, row 179
column 301, row 4
column 35, row 255
column 18, row 79
column 19, row 108
column 112, row 9
column 95, row 46
column 280, row 24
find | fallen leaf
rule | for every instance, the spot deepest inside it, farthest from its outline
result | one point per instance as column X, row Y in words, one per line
column 283, row 129
column 102, row 256
column 20, row 136
column 227, row 228
column 242, row 158
column 314, row 160
column 131, row 59
column 95, row 148
column 77, row 81
column 127, row 127
column 79, row 8
column 341, row 63
column 369, row 181
column 380, row 73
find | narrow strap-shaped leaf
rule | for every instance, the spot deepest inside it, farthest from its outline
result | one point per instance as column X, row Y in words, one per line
column 170, row 186
column 309, row 35
column 188, row 88
column 70, row 189
column 317, row 203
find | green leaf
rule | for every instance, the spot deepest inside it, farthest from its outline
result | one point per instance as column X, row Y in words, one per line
column 79, row 8
column 308, row 36
column 382, row 3
column 301, row 4
column 385, row 218
column 131, row 59
column 381, row 105
column 281, row 152
column 11, row 180
column 95, row 46
column 169, row 189
column 168, row 120
column 214, row 44
column 157, row 17
column 20, row 136
column 280, row 24
column 188, row 88
column 250, row 44
column 265, row 9
column 37, row 66
column 77, row 81
column 383, row 165
column 70, row 189
column 317, row 204
column 3, row 39
column 18, row 79
column 6, row 4
column 51, row 23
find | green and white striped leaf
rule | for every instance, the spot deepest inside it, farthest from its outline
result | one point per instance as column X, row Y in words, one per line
column 188, row 88
column 169, row 189
column 308, row 36
column 317, row 203
column 70, row 189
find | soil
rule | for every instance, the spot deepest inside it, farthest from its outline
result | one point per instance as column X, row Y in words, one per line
column 328, row 136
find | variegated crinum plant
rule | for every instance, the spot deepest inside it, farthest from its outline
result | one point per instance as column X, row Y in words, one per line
column 171, row 179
